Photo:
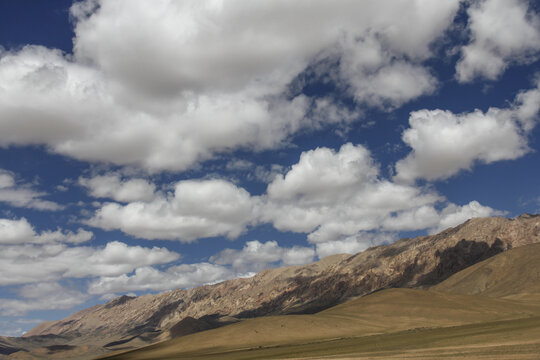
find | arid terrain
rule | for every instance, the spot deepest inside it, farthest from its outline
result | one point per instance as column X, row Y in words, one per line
column 472, row 291
column 498, row 318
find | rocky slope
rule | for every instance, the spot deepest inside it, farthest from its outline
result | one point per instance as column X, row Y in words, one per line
column 419, row 262
column 491, row 309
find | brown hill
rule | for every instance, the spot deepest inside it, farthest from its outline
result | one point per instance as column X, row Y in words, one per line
column 418, row 262
column 386, row 313
column 514, row 274
column 418, row 323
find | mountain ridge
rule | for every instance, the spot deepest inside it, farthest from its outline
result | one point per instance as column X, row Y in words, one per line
column 418, row 262
column 305, row 285
column 447, row 313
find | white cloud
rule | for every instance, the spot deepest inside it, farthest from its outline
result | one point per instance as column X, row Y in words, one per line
column 267, row 174
column 526, row 106
column 327, row 110
column 414, row 219
column 6, row 179
column 193, row 79
column 15, row 231
column 228, row 45
column 41, row 260
column 196, row 209
column 323, row 174
column 297, row 255
column 78, row 237
column 426, row 215
column 256, row 256
column 21, row 232
column 30, row 263
column 239, row 165
column 444, row 143
column 253, row 257
column 76, row 111
column 117, row 258
column 353, row 244
column 112, row 186
column 379, row 79
column 451, row 215
column 148, row 278
column 330, row 194
column 264, row 173
column 41, row 296
column 502, row 32
column 27, row 198
column 62, row 188
column 23, row 195
column 336, row 197
column 454, row 215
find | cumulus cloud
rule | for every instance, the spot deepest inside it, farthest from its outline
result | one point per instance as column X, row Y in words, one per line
column 454, row 215
column 42, row 296
column 332, row 193
column 15, row 231
column 449, row 216
column 256, row 256
column 353, row 244
column 29, row 263
column 193, row 79
column 40, row 260
column 6, row 179
column 323, row 174
column 227, row 264
column 74, row 112
column 267, row 174
column 502, row 32
column 445, row 143
column 196, row 209
column 378, row 78
column 78, row 237
column 338, row 196
column 228, row 45
column 149, row 278
column 23, row 195
column 113, row 187
column 264, row 173
column 22, row 232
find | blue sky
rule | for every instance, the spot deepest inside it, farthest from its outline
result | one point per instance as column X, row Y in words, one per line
column 153, row 145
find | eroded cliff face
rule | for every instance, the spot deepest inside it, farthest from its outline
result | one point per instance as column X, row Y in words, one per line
column 418, row 262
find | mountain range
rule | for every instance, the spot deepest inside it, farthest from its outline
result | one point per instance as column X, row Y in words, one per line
column 463, row 276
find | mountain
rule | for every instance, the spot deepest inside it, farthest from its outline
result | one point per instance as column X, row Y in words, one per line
column 513, row 276
column 394, row 322
column 423, row 319
column 421, row 262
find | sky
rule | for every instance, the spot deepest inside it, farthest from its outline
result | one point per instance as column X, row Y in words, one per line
column 153, row 145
